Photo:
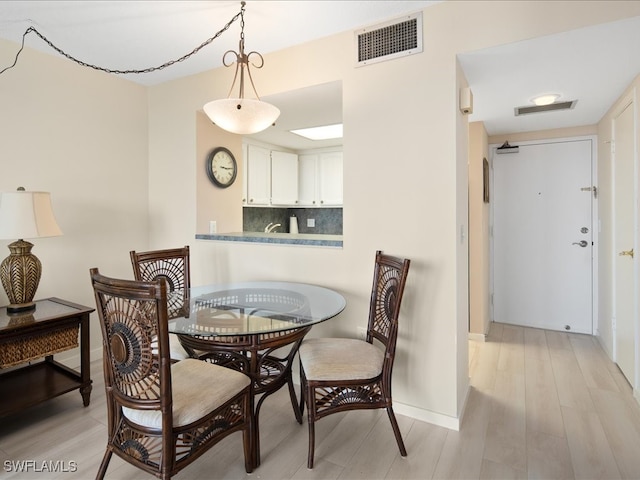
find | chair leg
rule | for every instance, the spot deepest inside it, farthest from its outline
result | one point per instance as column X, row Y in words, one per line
column 307, row 395
column 312, row 441
column 248, row 450
column 105, row 463
column 297, row 410
column 396, row 431
column 303, row 386
column 302, row 401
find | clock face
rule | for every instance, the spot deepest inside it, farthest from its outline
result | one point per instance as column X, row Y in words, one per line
column 221, row 167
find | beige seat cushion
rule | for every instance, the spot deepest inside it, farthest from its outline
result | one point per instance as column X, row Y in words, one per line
column 340, row 359
column 198, row 388
column 176, row 350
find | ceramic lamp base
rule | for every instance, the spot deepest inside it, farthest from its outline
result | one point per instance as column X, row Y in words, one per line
column 20, row 273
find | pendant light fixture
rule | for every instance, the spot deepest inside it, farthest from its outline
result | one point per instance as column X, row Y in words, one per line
column 239, row 114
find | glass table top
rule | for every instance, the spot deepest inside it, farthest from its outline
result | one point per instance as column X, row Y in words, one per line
column 256, row 308
column 45, row 310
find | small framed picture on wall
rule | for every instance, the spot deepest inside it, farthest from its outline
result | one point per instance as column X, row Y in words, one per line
column 485, row 180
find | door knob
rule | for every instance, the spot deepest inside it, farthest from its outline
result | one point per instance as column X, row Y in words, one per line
column 582, row 243
column 626, row 253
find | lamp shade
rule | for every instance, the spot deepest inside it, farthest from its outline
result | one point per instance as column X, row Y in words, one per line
column 27, row 215
column 243, row 116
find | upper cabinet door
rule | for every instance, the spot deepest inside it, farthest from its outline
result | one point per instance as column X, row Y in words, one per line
column 308, row 180
column 258, row 175
column 245, row 181
column 284, row 178
column 330, row 179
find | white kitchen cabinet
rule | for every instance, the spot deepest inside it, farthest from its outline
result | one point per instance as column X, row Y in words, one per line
column 284, row 178
column 320, row 179
column 258, row 175
column 308, row 180
column 287, row 180
column 245, row 191
column 330, row 179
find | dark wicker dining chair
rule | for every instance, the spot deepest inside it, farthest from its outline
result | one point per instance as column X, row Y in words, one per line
column 339, row 374
column 173, row 265
column 161, row 415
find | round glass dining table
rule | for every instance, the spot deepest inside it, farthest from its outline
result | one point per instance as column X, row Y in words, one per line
column 256, row 328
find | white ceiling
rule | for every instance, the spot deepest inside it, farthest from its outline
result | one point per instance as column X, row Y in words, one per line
column 138, row 34
column 591, row 65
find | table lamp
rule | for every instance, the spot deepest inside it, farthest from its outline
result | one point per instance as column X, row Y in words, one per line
column 24, row 215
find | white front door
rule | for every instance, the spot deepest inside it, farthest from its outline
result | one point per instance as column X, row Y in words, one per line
column 624, row 227
column 543, row 235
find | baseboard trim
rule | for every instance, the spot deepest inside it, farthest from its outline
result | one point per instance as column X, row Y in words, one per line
column 428, row 416
column 478, row 337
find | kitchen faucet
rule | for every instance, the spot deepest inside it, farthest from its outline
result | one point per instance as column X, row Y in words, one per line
column 271, row 227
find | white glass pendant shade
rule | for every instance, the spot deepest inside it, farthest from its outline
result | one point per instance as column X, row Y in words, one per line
column 243, row 116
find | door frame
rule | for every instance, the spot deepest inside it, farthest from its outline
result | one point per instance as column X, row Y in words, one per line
column 626, row 101
column 594, row 219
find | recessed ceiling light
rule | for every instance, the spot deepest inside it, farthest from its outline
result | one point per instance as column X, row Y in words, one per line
column 546, row 99
column 325, row 132
column 552, row 107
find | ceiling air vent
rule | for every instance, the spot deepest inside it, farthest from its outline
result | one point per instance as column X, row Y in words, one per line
column 545, row 108
column 393, row 39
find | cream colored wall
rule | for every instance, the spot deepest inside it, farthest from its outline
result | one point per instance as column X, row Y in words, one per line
column 209, row 198
column 81, row 135
column 405, row 181
column 479, row 260
column 606, row 247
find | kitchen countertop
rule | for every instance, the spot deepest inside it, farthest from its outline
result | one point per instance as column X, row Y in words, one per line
column 277, row 238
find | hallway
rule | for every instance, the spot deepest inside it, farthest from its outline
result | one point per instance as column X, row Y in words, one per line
column 555, row 407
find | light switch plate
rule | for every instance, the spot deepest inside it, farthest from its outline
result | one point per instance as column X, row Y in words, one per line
column 311, row 222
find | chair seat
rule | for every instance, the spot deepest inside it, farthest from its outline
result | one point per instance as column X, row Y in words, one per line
column 177, row 351
column 198, row 388
column 340, row 359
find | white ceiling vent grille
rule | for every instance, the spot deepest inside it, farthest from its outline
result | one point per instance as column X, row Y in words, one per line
column 545, row 108
column 393, row 39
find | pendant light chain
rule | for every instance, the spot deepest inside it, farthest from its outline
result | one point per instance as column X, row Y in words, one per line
column 242, row 23
column 240, row 14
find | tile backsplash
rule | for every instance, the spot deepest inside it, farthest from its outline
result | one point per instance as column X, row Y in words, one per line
column 328, row 221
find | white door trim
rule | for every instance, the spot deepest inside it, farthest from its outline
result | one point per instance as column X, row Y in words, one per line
column 626, row 101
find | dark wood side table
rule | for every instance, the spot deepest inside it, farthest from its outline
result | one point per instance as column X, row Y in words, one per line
column 28, row 341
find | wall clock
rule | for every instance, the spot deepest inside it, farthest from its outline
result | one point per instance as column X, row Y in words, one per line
column 222, row 168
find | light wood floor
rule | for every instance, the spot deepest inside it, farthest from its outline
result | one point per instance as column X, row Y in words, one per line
column 543, row 405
